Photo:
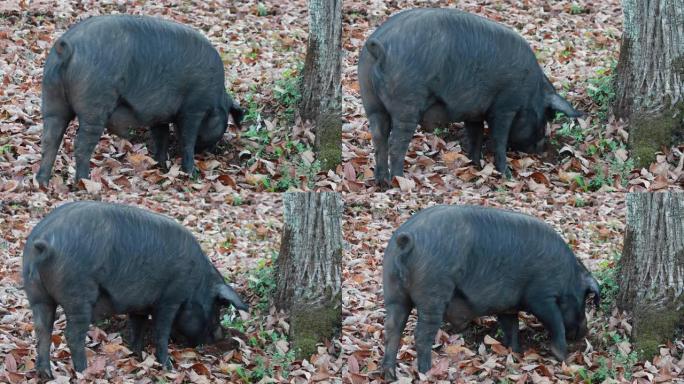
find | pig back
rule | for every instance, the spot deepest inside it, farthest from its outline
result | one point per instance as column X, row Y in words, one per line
column 451, row 48
column 141, row 56
column 131, row 256
column 489, row 253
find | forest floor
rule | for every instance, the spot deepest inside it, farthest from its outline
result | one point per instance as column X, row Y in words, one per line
column 593, row 226
column 242, row 239
column 263, row 45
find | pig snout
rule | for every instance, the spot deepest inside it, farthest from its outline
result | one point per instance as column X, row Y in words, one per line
column 538, row 147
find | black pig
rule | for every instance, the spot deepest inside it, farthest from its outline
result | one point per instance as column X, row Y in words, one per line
column 457, row 263
column 98, row 259
column 123, row 72
column 432, row 66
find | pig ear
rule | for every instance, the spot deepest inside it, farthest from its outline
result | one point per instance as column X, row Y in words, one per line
column 557, row 103
column 593, row 287
column 225, row 292
column 405, row 241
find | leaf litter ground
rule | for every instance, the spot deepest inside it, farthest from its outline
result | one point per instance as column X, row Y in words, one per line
column 240, row 234
column 593, row 226
column 263, row 44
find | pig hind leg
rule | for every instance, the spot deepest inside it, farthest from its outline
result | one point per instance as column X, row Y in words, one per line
column 160, row 135
column 78, row 318
column 475, row 138
column 399, row 141
column 397, row 312
column 429, row 320
column 89, row 133
column 94, row 106
column 509, row 326
column 549, row 314
column 163, row 318
column 380, row 130
column 54, row 126
column 136, row 328
column 44, row 318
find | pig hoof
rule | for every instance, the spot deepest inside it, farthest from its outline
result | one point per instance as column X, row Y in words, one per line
column 42, row 180
column 560, row 355
column 383, row 182
column 389, row 374
column 45, row 374
column 382, row 179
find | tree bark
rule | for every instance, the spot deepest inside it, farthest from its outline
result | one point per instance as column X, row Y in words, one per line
column 650, row 76
column 651, row 269
column 322, row 80
column 309, row 268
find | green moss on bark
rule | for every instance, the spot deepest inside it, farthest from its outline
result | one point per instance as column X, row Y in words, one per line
column 654, row 328
column 329, row 140
column 649, row 134
column 678, row 65
column 311, row 325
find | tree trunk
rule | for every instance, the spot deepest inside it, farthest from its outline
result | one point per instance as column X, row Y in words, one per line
column 651, row 269
column 309, row 268
column 322, row 80
column 650, row 76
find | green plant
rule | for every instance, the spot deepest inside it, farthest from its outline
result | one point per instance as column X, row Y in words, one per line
column 567, row 52
column 261, row 9
column 253, row 110
column 576, row 9
column 440, row 132
column 255, row 132
column 262, row 282
column 606, row 276
column 570, row 129
column 286, row 91
column 600, row 179
column 267, row 341
column 602, row 373
column 581, row 183
column 601, row 89
column 580, row 202
column 237, row 200
column 622, row 168
column 7, row 148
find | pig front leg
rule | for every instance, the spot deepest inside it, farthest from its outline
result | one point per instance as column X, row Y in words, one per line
column 397, row 314
column 43, row 318
column 163, row 320
column 509, row 327
column 500, row 126
column 380, row 132
column 549, row 314
column 89, row 133
column 399, row 140
column 160, row 135
column 189, row 127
